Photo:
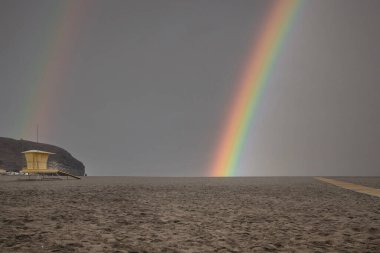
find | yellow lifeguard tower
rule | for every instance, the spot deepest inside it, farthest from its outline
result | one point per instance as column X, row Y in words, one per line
column 36, row 163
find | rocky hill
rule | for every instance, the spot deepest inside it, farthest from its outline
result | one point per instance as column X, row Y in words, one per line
column 11, row 158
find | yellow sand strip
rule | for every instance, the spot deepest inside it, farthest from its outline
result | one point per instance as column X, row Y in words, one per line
column 350, row 186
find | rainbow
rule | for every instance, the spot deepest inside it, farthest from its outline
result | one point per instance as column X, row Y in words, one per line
column 43, row 95
column 256, row 74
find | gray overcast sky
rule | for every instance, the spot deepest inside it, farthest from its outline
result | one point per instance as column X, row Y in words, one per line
column 146, row 85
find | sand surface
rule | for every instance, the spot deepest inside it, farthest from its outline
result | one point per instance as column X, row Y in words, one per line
column 366, row 181
column 351, row 186
column 126, row 214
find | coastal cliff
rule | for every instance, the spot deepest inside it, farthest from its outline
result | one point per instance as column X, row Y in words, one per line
column 11, row 158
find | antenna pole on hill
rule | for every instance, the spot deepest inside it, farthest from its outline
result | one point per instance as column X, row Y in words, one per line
column 37, row 133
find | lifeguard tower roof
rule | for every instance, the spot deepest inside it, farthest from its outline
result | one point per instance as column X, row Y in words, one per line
column 37, row 151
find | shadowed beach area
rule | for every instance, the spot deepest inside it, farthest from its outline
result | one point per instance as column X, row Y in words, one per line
column 141, row 214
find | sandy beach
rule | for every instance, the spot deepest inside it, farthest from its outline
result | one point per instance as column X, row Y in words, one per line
column 140, row 214
column 366, row 181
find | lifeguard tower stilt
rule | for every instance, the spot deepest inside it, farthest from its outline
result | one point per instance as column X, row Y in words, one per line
column 36, row 163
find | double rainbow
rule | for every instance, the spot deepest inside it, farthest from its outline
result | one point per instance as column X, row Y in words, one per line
column 39, row 107
column 257, row 72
